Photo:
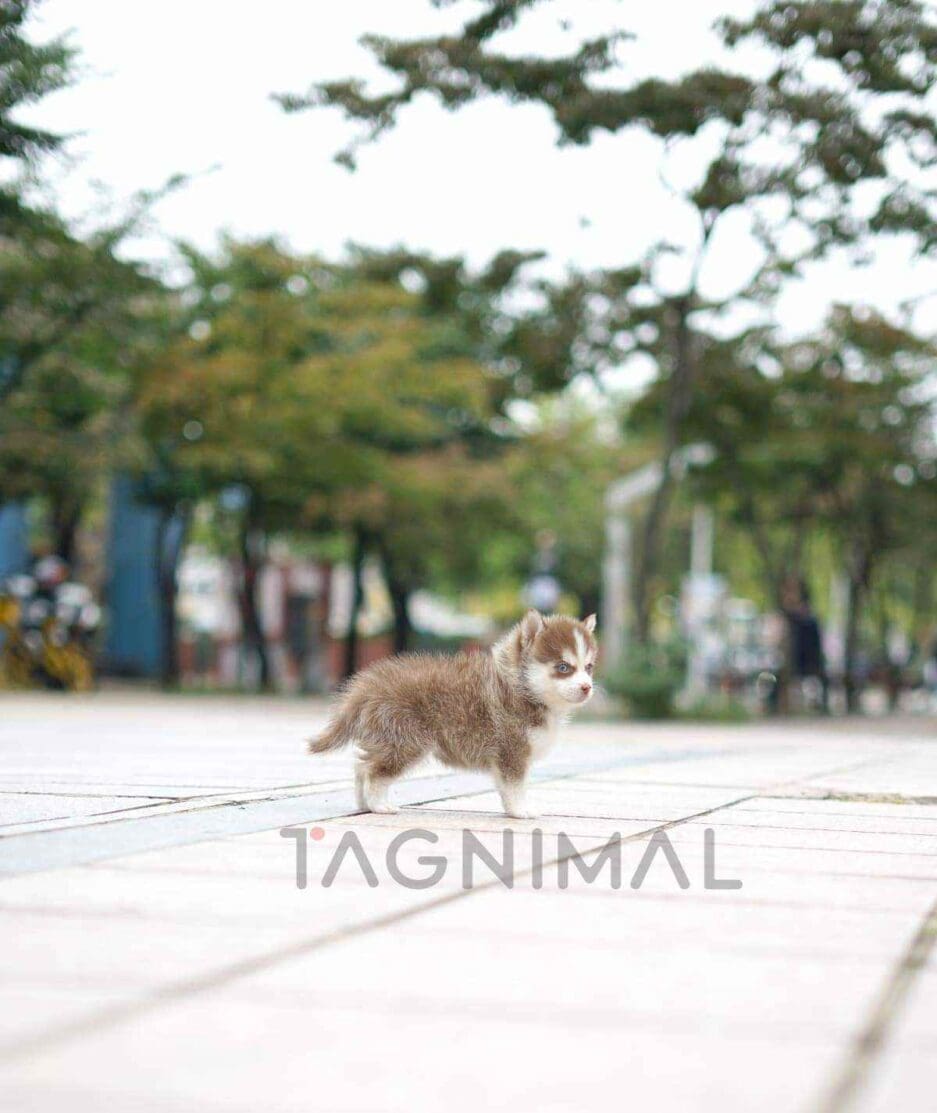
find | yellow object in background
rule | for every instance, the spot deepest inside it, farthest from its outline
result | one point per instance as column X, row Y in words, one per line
column 49, row 657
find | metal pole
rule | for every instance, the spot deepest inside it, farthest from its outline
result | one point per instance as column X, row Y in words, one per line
column 701, row 566
column 616, row 577
column 701, row 541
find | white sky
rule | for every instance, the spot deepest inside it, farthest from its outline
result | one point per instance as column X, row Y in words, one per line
column 184, row 85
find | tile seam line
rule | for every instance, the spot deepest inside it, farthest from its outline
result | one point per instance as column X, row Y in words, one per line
column 41, row 1042
column 870, row 1043
column 244, row 806
column 229, row 806
column 87, row 795
column 211, row 803
column 157, row 802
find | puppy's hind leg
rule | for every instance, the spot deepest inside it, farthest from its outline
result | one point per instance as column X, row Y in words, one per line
column 392, row 744
column 361, row 784
column 371, row 790
column 378, row 775
column 376, row 795
column 384, row 767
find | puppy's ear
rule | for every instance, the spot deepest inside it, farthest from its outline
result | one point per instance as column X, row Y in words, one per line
column 531, row 625
column 589, row 623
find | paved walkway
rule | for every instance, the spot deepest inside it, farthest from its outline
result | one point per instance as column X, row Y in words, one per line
column 157, row 954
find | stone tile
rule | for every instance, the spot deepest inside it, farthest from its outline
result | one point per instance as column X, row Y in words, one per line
column 36, row 808
column 915, row 1026
column 693, row 986
column 200, row 977
column 151, row 897
column 101, row 952
column 575, row 827
column 555, row 800
column 30, row 1010
column 298, row 1055
column 921, row 818
column 78, row 786
column 901, row 1079
column 922, row 830
column 734, row 830
column 908, row 770
column 635, row 924
column 793, row 889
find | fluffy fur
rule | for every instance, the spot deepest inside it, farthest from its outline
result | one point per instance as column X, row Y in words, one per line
column 498, row 711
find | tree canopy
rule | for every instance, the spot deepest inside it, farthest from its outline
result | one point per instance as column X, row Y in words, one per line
column 826, row 146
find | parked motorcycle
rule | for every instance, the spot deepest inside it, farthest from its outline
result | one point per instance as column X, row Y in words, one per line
column 47, row 629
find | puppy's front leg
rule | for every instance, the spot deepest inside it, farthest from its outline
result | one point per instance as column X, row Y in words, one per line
column 513, row 792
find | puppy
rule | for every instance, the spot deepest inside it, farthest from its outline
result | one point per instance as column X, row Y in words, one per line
column 498, row 711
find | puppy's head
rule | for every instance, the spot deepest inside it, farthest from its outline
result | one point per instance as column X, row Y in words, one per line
column 557, row 657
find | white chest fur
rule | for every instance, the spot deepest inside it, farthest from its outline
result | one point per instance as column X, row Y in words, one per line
column 543, row 739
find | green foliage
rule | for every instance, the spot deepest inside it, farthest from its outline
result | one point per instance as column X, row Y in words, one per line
column 649, row 678
column 835, row 433
column 334, row 397
column 28, row 72
column 833, row 138
column 717, row 708
column 825, row 137
column 562, row 471
column 370, row 401
column 73, row 321
column 886, row 47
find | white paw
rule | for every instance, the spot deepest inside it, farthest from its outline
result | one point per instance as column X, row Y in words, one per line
column 521, row 813
column 384, row 809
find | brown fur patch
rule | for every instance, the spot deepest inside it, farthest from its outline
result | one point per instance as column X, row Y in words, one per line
column 558, row 637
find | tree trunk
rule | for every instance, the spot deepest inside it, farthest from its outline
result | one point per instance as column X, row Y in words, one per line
column 923, row 596
column 399, row 591
column 590, row 602
column 403, row 630
column 676, row 405
column 171, row 535
column 253, row 555
column 852, row 682
column 357, row 598
column 66, row 516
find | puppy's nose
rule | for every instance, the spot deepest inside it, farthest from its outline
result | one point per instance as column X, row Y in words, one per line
column 585, row 689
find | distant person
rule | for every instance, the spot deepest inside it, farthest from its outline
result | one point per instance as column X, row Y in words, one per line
column 930, row 672
column 805, row 642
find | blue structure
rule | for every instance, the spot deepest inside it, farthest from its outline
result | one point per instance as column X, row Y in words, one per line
column 133, row 642
column 14, row 540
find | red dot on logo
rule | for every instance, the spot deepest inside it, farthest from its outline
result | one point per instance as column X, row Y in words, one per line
column 317, row 833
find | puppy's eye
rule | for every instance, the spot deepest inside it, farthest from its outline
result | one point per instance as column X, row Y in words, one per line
column 589, row 669
column 563, row 668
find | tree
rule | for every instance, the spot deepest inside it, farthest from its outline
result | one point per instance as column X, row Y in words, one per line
column 416, row 391
column 423, row 518
column 72, row 323
column 421, row 515
column 842, row 114
column 28, row 72
column 214, row 412
column 318, row 397
column 564, row 467
column 831, row 434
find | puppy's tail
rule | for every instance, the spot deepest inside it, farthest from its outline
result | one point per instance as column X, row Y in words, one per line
column 337, row 734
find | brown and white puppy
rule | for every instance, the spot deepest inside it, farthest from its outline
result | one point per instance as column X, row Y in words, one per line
column 498, row 711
